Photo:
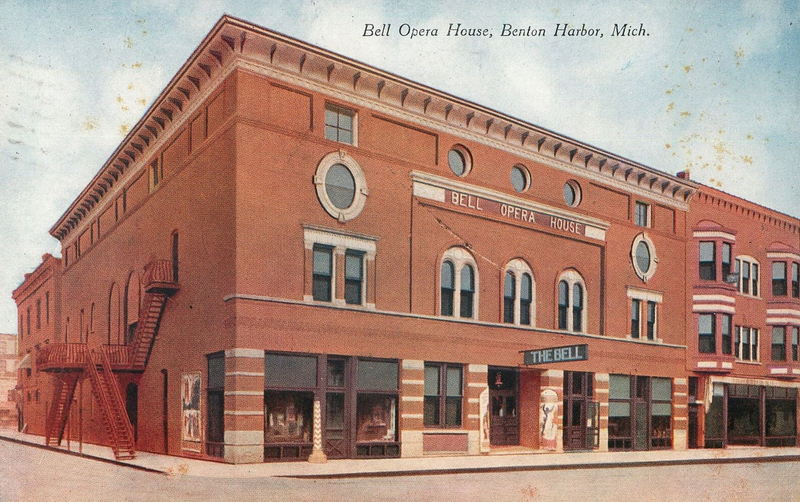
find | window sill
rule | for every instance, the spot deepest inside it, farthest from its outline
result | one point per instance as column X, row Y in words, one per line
column 751, row 363
column 745, row 295
column 444, row 431
column 655, row 341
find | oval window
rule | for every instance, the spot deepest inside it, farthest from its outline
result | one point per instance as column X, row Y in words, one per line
column 572, row 193
column 520, row 179
column 457, row 162
column 340, row 186
column 643, row 256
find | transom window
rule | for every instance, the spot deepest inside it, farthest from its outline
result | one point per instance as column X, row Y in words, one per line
column 747, row 271
column 642, row 214
column 518, row 290
column 746, row 345
column 458, row 284
column 571, row 302
column 339, row 124
column 444, row 391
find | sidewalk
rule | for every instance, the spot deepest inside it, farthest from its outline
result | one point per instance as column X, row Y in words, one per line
column 419, row 466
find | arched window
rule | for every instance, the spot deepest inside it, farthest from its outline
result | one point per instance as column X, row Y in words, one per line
column 113, row 315
column 458, row 275
column 572, row 309
column 563, row 304
column 448, row 281
column 467, row 290
column 509, row 297
column 132, row 303
column 518, row 292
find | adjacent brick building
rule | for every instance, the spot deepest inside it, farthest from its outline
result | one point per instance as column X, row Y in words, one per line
column 8, row 380
column 296, row 255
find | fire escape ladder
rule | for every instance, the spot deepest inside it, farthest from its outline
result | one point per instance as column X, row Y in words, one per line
column 59, row 410
column 146, row 328
column 109, row 398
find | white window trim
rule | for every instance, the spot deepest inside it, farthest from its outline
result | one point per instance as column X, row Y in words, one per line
column 644, row 276
column 334, row 107
column 517, row 267
column 645, row 296
column 572, row 277
column 752, row 261
column 459, row 257
column 341, row 242
column 361, row 191
column 738, row 347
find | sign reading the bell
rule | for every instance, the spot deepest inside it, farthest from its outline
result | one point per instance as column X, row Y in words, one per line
column 556, row 354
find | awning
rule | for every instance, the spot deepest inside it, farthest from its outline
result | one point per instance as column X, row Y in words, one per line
column 25, row 362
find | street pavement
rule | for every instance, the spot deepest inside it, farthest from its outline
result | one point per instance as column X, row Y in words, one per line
column 34, row 474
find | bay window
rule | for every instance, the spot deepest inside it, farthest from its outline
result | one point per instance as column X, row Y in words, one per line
column 708, row 263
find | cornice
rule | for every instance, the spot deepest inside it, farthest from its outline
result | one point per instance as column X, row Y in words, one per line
column 35, row 279
column 270, row 52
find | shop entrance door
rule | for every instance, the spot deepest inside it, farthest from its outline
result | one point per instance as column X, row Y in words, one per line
column 579, row 411
column 503, row 399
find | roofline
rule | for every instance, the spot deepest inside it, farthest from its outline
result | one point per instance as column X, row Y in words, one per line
column 795, row 220
column 228, row 20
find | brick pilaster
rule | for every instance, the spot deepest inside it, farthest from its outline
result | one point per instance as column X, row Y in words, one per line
column 412, row 395
column 244, row 406
column 680, row 413
column 601, row 395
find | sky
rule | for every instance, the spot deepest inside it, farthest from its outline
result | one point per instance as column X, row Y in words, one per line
column 712, row 87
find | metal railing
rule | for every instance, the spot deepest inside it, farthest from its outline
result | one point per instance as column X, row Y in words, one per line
column 61, row 354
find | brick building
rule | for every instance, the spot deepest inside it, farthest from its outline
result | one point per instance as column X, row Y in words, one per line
column 745, row 295
column 294, row 254
column 8, row 380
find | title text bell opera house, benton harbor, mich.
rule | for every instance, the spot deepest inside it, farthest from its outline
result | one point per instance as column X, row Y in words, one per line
column 297, row 256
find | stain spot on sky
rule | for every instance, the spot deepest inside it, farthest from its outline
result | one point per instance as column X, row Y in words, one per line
column 128, row 42
column 124, row 128
column 15, row 125
column 688, row 68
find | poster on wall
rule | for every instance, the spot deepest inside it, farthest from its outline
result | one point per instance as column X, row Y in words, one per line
column 190, row 406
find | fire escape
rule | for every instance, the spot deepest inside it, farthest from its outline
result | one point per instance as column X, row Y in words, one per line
column 71, row 361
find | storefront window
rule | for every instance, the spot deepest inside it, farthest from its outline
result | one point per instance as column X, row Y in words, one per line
column 661, row 412
column 288, row 417
column 715, row 432
column 619, row 413
column 640, row 412
column 377, row 416
column 781, row 418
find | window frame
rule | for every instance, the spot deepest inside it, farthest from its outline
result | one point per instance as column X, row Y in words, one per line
column 361, row 257
column 459, row 258
column 709, row 336
column 341, row 243
column 340, row 111
column 521, row 308
column 465, row 156
column 751, row 285
column 360, row 193
column 572, row 278
column 329, row 250
column 751, row 344
column 644, row 275
column 780, row 286
column 441, row 419
column 795, row 279
column 706, row 265
column 782, row 357
column 644, row 206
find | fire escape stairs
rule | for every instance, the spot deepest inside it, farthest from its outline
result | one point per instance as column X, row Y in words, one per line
column 146, row 329
column 109, row 398
column 59, row 409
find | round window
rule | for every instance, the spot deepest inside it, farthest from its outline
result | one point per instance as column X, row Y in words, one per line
column 340, row 186
column 572, row 193
column 643, row 256
column 459, row 160
column 520, row 179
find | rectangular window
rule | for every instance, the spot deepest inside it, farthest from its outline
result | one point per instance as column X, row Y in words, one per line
column 778, row 343
column 779, row 278
column 795, row 335
column 795, row 280
column 28, row 322
column 47, row 307
column 339, row 124
column 642, row 214
column 38, row 313
column 745, row 271
column 708, row 264
column 443, row 395
column 376, row 407
column 707, row 334
column 754, row 278
column 156, row 174
column 353, row 277
column 651, row 320
column 21, row 327
column 635, row 314
column 726, row 333
column 726, row 261
column 215, row 406
column 290, row 371
column 323, row 273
